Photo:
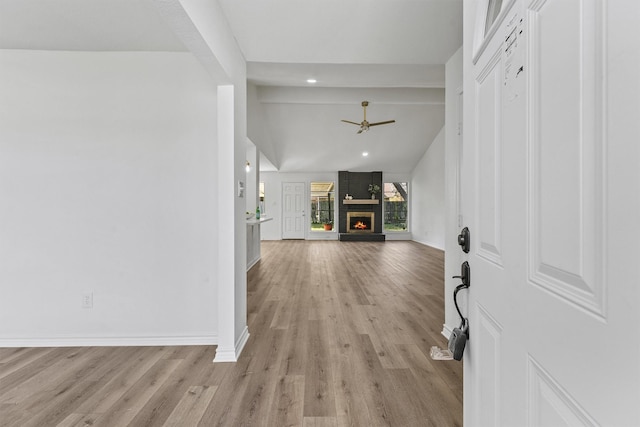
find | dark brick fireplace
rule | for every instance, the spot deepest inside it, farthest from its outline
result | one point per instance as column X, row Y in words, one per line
column 356, row 185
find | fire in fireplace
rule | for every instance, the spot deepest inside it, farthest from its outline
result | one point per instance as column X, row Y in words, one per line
column 360, row 222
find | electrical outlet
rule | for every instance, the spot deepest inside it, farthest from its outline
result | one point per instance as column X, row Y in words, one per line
column 87, row 300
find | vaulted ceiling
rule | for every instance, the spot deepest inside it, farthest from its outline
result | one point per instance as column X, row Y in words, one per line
column 388, row 52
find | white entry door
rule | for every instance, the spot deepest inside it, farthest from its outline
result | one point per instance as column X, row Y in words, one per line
column 551, row 195
column 293, row 206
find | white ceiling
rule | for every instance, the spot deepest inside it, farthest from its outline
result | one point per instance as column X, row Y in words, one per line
column 346, row 31
column 84, row 25
column 388, row 52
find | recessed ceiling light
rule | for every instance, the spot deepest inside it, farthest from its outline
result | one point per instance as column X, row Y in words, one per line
column 311, row 80
column 365, row 154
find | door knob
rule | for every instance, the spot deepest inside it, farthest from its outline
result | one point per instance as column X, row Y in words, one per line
column 464, row 240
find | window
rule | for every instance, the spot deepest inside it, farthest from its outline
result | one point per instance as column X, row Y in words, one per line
column 322, row 203
column 396, row 206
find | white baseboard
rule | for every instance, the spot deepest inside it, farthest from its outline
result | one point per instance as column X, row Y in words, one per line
column 446, row 331
column 322, row 236
column 398, row 235
column 252, row 263
column 232, row 354
column 139, row 341
column 430, row 244
column 242, row 340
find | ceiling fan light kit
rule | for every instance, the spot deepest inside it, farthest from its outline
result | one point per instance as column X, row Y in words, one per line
column 365, row 125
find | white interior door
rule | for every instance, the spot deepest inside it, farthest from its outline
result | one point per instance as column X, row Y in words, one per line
column 551, row 194
column 293, row 207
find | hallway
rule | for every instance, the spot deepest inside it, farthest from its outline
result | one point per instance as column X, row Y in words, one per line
column 340, row 336
column 347, row 328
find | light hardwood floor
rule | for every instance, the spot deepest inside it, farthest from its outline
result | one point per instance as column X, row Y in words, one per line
column 340, row 336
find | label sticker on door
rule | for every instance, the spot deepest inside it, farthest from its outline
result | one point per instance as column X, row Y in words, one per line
column 513, row 57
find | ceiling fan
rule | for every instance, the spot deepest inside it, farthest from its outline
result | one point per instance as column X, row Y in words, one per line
column 365, row 125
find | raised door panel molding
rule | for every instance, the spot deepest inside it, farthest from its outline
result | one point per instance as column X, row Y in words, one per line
column 489, row 167
column 567, row 152
column 487, row 351
column 549, row 404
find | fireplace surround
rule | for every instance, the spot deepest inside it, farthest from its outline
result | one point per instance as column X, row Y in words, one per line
column 356, row 184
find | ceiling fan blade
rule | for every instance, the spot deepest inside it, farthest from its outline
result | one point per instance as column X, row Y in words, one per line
column 364, row 125
column 382, row 123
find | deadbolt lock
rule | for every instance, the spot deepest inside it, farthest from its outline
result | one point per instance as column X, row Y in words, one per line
column 464, row 240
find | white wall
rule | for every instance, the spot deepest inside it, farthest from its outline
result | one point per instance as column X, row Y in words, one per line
column 107, row 185
column 257, row 127
column 202, row 27
column 427, row 192
column 251, row 196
